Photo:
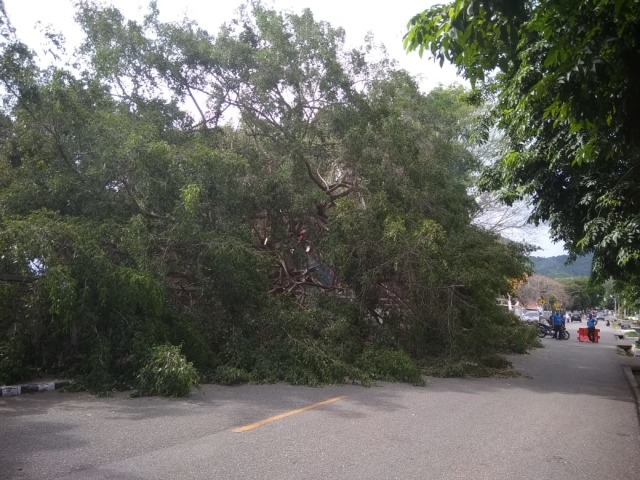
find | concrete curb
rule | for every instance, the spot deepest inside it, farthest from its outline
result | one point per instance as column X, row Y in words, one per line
column 631, row 378
column 14, row 390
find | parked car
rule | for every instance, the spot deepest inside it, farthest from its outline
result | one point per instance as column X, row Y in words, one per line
column 576, row 317
column 530, row 316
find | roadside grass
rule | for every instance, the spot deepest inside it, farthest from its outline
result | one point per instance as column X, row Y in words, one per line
column 479, row 367
column 624, row 352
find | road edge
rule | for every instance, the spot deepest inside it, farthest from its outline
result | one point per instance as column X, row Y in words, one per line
column 15, row 390
column 633, row 383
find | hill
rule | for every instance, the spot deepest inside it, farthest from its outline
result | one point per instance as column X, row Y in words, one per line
column 555, row 267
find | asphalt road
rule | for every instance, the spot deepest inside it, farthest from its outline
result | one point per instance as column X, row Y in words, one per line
column 571, row 415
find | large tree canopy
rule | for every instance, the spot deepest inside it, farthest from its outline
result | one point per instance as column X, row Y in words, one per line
column 564, row 79
column 281, row 206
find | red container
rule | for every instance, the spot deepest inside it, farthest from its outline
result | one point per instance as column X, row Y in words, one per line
column 583, row 337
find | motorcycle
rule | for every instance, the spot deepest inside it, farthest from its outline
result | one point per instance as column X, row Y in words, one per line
column 544, row 330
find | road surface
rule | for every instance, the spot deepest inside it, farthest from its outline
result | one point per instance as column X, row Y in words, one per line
column 570, row 415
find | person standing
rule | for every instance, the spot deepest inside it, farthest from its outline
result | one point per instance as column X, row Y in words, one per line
column 591, row 328
column 558, row 323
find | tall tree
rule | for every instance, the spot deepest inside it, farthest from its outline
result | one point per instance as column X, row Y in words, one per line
column 565, row 81
column 263, row 197
column 583, row 294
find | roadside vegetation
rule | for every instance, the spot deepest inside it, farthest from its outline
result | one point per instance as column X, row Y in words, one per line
column 562, row 85
column 258, row 205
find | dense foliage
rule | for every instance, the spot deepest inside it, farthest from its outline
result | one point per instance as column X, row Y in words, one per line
column 564, row 77
column 563, row 294
column 282, row 208
column 166, row 372
column 583, row 294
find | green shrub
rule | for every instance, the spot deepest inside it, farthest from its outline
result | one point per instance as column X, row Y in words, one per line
column 496, row 336
column 389, row 365
column 94, row 373
column 495, row 361
column 454, row 368
column 225, row 375
column 521, row 339
column 624, row 352
column 167, row 373
column 12, row 362
column 302, row 362
column 482, row 366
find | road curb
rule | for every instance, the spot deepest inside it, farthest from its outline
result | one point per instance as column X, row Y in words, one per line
column 15, row 390
column 633, row 383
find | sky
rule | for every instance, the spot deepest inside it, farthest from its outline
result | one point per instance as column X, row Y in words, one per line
column 357, row 17
column 386, row 20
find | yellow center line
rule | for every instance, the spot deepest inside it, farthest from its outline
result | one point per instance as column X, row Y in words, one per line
column 251, row 426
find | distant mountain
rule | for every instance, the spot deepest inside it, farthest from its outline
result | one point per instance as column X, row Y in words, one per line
column 555, row 267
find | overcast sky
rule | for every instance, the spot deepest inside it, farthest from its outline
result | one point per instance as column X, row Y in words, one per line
column 386, row 20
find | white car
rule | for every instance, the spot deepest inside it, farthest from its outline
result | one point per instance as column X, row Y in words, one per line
column 530, row 316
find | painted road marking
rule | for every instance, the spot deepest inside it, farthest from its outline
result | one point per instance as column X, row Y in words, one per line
column 251, row 426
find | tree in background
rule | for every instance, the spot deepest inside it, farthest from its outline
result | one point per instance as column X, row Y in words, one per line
column 538, row 287
column 564, row 83
column 583, row 294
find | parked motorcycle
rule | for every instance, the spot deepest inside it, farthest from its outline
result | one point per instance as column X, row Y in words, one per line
column 544, row 330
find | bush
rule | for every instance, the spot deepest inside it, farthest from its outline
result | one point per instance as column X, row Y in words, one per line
column 389, row 365
column 457, row 367
column 167, row 373
column 302, row 362
column 521, row 340
column 12, row 362
column 496, row 336
column 495, row 362
column 481, row 366
column 94, row 373
column 225, row 375
column 284, row 343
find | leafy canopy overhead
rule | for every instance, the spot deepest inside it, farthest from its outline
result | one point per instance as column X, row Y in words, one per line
column 325, row 229
column 564, row 79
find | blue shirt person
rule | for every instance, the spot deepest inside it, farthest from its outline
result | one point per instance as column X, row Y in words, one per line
column 591, row 328
column 558, row 325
